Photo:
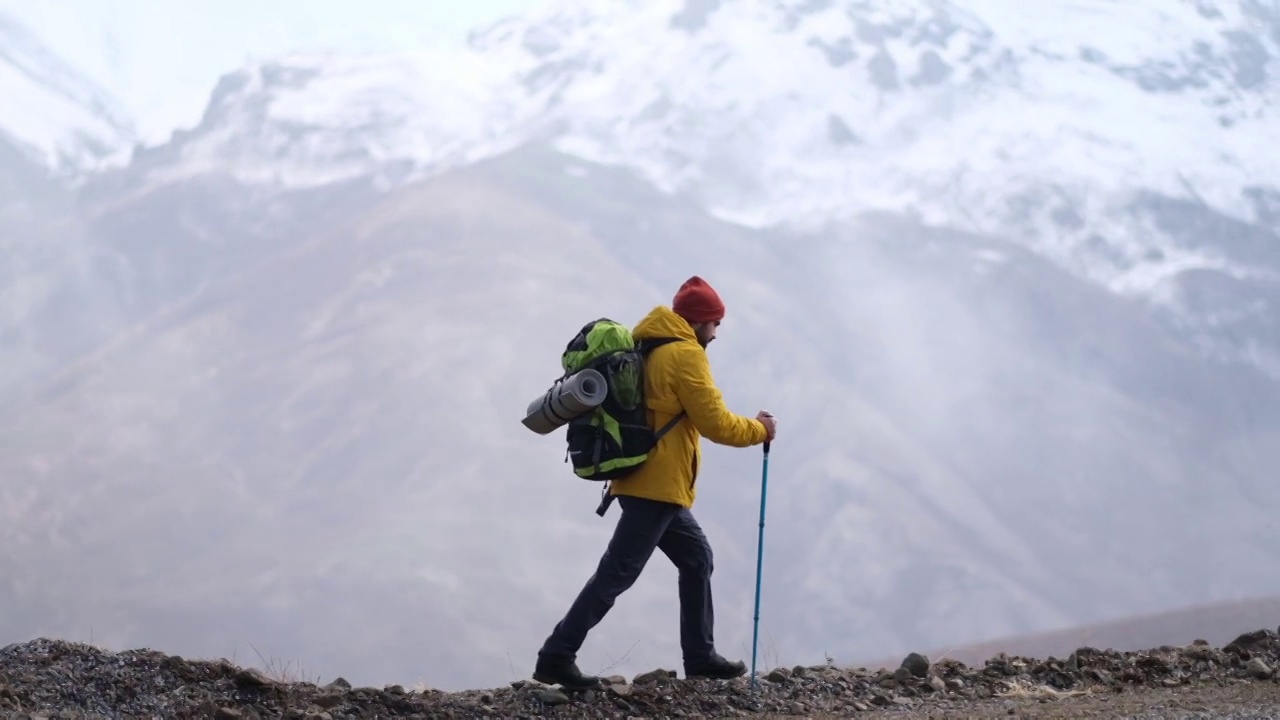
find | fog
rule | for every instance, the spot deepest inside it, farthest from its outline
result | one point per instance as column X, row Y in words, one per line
column 282, row 426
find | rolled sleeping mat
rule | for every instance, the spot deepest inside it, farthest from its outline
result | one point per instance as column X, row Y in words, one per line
column 566, row 400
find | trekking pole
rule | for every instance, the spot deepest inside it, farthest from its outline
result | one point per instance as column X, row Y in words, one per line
column 755, row 633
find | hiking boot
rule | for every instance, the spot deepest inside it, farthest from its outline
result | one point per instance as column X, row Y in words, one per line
column 566, row 675
column 716, row 667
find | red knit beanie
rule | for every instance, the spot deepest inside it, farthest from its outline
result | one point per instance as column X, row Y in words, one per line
column 697, row 302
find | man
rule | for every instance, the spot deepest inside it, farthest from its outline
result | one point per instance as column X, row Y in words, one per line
column 657, row 498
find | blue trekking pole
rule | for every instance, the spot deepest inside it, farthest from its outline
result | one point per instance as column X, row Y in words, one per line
column 755, row 633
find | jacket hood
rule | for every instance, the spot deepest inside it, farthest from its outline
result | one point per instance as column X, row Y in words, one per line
column 662, row 321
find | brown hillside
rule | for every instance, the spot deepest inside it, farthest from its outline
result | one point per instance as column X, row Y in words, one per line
column 1216, row 623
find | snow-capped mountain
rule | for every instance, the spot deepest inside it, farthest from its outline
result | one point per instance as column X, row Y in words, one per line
column 51, row 112
column 972, row 114
column 1083, row 131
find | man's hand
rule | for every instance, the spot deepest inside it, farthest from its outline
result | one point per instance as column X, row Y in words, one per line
column 770, row 425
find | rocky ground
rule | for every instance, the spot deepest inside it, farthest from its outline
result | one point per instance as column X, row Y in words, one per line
column 54, row 679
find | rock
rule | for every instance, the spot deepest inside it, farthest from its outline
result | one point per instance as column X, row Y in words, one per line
column 1084, row 654
column 1249, row 640
column 1199, row 652
column 1153, row 662
column 620, row 689
column 551, row 696
column 653, row 676
column 777, row 676
column 938, row 684
column 328, row 700
column 254, row 678
column 339, row 684
column 1257, row 668
column 903, row 676
column 916, row 664
column 799, row 671
column 613, row 680
column 229, row 713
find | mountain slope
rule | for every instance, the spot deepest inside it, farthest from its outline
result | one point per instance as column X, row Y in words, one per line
column 266, row 380
column 321, row 423
column 1216, row 623
column 1093, row 134
column 56, row 116
column 349, row 363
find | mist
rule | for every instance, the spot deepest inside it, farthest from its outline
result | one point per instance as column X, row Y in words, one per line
column 280, row 423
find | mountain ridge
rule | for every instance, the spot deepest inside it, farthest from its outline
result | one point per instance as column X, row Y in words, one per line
column 956, row 114
column 53, row 113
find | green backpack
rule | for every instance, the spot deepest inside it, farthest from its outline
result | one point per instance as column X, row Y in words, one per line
column 614, row 439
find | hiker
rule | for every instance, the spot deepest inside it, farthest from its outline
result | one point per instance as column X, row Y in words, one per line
column 656, row 499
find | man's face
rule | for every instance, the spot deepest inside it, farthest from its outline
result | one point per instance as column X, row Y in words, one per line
column 706, row 332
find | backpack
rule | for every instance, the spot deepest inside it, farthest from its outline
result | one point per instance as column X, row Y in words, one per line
column 614, row 439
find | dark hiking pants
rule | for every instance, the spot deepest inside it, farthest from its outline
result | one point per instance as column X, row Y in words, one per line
column 644, row 526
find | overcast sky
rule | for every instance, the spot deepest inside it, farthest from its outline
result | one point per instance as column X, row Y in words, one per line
column 161, row 57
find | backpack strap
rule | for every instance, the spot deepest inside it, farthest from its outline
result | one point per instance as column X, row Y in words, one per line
column 647, row 346
column 669, row 426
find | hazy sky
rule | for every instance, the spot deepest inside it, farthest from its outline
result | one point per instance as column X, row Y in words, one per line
column 161, row 58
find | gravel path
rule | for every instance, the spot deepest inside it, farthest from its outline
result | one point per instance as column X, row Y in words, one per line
column 1238, row 700
column 54, row 679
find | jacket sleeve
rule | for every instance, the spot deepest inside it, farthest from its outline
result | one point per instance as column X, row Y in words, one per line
column 704, row 403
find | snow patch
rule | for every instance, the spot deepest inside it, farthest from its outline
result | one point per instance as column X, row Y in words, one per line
column 59, row 117
column 967, row 114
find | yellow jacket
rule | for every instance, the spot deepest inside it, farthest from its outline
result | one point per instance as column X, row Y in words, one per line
column 678, row 376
